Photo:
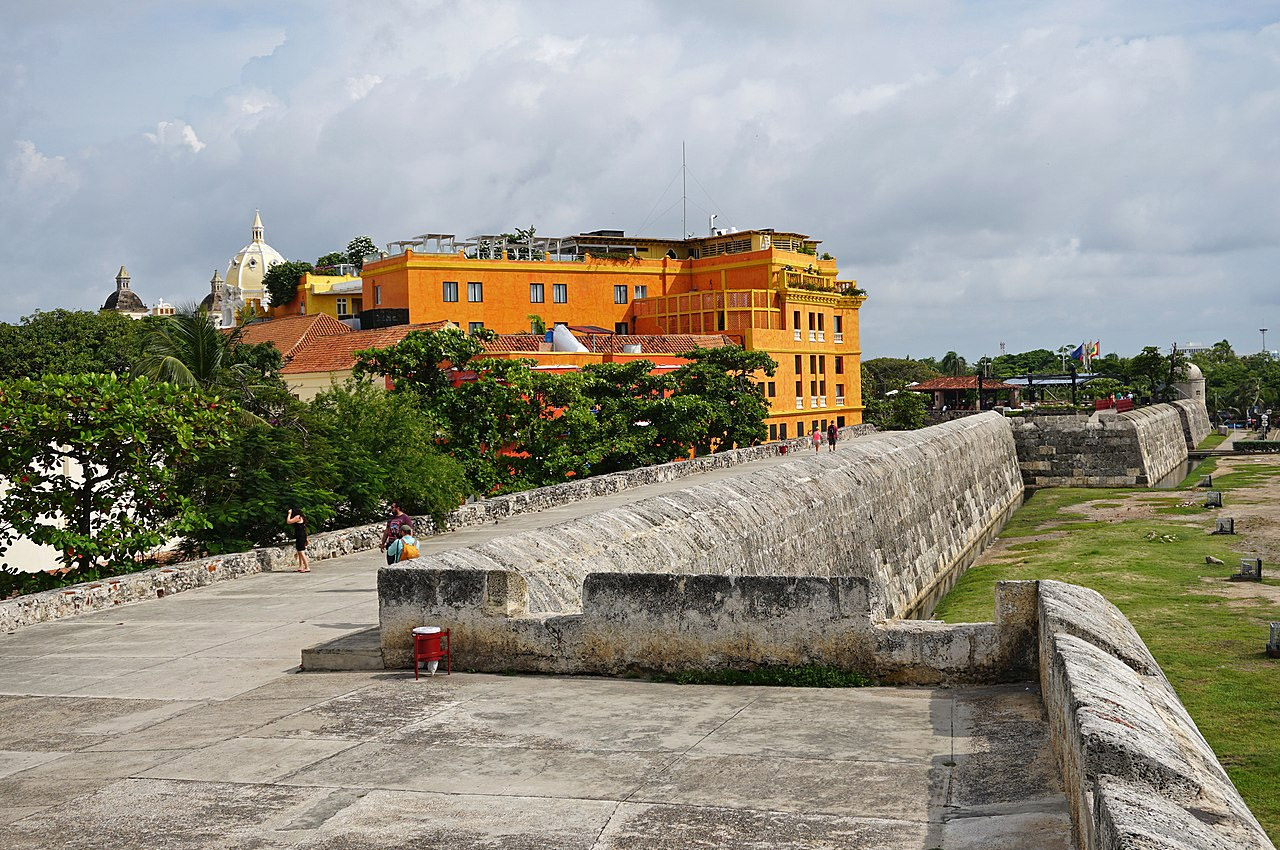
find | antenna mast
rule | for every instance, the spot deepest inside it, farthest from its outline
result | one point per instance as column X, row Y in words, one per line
column 684, row 196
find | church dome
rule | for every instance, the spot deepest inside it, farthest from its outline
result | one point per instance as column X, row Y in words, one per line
column 124, row 301
column 247, row 268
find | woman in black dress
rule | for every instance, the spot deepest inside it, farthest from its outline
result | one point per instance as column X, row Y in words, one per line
column 299, row 523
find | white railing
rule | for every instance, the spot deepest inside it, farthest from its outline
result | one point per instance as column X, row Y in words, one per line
column 822, row 401
column 813, row 401
column 839, row 337
column 813, row 336
column 797, row 334
column 839, row 401
column 822, row 336
column 799, row 402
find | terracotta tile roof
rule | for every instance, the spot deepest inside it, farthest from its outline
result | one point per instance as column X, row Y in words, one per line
column 290, row 332
column 337, row 353
column 962, row 382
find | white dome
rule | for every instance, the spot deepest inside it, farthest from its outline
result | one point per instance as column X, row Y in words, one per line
column 247, row 267
column 1192, row 373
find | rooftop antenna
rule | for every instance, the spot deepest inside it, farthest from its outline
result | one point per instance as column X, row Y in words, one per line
column 684, row 195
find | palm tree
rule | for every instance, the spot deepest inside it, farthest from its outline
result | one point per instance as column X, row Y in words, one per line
column 952, row 364
column 187, row 349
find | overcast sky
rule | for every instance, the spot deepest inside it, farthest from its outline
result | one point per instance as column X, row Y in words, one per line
column 1035, row 174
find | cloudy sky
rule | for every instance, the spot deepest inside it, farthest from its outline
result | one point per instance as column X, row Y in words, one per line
column 989, row 171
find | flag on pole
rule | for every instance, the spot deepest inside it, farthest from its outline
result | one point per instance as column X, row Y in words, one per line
column 1078, row 354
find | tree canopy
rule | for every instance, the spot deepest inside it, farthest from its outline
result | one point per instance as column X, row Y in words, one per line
column 281, row 280
column 68, row 342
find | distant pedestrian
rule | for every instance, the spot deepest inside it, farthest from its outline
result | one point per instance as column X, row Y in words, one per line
column 392, row 532
column 299, row 523
column 817, row 439
column 408, row 543
column 833, row 433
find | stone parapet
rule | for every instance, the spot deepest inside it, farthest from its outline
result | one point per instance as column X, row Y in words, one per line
column 1195, row 421
column 1136, row 770
column 668, row 623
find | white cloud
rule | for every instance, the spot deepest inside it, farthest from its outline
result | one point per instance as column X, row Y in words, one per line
column 358, row 87
column 175, row 135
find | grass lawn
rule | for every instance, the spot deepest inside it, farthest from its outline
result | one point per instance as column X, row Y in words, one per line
column 1211, row 646
column 1211, row 442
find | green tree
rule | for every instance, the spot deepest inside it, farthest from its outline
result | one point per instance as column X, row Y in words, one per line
column 953, row 364
column 358, row 249
column 281, row 280
column 388, row 452
column 68, row 342
column 326, row 262
column 418, row 363
column 901, row 410
column 882, row 374
column 131, row 439
column 729, row 409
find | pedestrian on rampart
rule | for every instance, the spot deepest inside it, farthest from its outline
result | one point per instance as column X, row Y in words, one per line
column 817, row 439
column 833, row 434
column 299, row 523
column 392, row 532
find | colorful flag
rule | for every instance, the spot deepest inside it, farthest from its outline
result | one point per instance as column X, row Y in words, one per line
column 1078, row 354
column 1096, row 350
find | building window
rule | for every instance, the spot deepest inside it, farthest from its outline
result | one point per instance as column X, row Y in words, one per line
column 837, row 324
column 839, row 364
column 773, row 390
column 560, row 293
column 377, row 295
column 475, row 291
column 620, row 294
column 839, row 421
column 773, row 432
column 795, row 320
column 782, row 431
column 342, row 308
column 822, row 321
column 822, row 365
column 536, row 293
column 620, row 328
column 839, row 390
column 450, row 290
column 813, row 323
column 822, row 388
column 641, row 291
column 799, row 388
column 472, row 327
column 813, row 388
column 798, row 361
column 813, row 363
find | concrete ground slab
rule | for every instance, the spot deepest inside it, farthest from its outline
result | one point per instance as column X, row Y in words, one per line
column 256, row 760
column 204, row 724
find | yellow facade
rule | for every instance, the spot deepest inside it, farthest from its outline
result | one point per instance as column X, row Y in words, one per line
column 768, row 290
column 340, row 296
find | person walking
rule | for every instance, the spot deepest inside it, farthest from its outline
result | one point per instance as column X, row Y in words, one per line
column 817, row 439
column 833, row 434
column 299, row 523
column 392, row 532
column 408, row 543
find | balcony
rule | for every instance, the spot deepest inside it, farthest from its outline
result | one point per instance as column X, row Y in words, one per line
column 799, row 402
column 839, row 337
column 797, row 335
column 839, row 401
column 822, row 336
column 813, row 401
column 822, row 401
column 813, row 336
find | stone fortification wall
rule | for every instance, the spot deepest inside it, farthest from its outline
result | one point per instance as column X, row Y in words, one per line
column 665, row 623
column 1136, row 770
column 907, row 511
column 1133, row 449
column 149, row 584
column 1195, row 421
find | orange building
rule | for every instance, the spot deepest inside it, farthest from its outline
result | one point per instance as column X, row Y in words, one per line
column 765, row 289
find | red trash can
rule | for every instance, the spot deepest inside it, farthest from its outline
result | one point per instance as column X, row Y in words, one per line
column 431, row 644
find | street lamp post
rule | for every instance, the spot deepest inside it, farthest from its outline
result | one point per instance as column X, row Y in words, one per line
column 1264, row 339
